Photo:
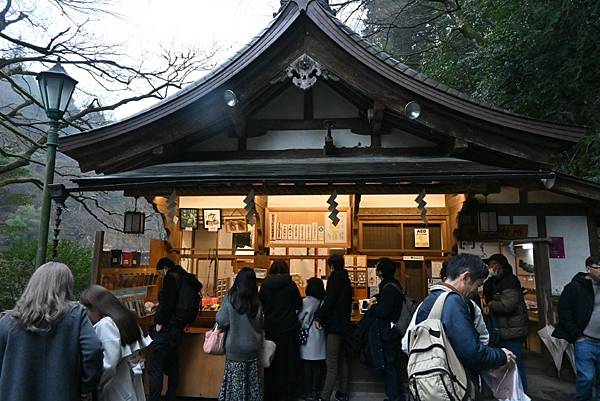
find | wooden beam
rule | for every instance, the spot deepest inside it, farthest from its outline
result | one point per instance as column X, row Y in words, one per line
column 376, row 123
column 592, row 223
column 260, row 127
column 543, row 282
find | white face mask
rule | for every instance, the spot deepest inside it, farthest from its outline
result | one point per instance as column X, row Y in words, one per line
column 493, row 273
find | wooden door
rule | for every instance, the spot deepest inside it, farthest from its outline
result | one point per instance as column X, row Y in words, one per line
column 415, row 279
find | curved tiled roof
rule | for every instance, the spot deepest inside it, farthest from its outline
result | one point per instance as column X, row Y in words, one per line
column 351, row 42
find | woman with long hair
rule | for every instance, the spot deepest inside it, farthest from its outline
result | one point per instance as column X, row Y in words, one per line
column 48, row 348
column 241, row 316
column 123, row 342
column 281, row 299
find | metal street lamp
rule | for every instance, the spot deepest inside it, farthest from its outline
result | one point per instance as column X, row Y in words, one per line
column 56, row 89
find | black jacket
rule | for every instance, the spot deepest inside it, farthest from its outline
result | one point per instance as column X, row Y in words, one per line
column 504, row 297
column 167, row 297
column 575, row 308
column 388, row 307
column 367, row 341
column 337, row 306
column 281, row 300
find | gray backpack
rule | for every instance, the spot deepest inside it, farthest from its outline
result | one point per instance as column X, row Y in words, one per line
column 434, row 370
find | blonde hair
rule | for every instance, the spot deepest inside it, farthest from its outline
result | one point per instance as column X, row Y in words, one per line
column 46, row 297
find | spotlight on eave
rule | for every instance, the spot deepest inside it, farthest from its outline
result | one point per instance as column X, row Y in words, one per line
column 412, row 110
column 230, row 98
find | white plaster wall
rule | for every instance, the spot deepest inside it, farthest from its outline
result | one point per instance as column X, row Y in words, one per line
column 283, row 140
column 531, row 221
column 401, row 139
column 574, row 230
column 550, row 197
column 221, row 142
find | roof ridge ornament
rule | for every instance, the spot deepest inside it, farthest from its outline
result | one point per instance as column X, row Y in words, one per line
column 303, row 4
column 304, row 72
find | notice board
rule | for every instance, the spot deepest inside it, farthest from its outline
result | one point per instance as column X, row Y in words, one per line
column 307, row 228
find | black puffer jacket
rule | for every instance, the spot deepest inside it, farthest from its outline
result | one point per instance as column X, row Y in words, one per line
column 504, row 297
column 281, row 301
column 575, row 308
column 337, row 306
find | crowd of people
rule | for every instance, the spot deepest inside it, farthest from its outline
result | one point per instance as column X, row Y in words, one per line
column 54, row 348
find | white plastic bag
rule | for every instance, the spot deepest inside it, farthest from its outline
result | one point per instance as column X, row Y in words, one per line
column 555, row 346
column 505, row 383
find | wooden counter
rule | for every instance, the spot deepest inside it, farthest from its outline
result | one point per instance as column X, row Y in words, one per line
column 200, row 374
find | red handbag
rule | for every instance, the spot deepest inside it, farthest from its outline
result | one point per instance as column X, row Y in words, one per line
column 214, row 341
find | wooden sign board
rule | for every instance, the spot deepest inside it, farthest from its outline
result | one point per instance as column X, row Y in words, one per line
column 306, row 228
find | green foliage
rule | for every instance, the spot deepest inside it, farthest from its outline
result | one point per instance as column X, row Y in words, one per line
column 24, row 223
column 18, row 263
column 537, row 58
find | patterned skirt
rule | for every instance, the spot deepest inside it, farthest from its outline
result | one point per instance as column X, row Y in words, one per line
column 241, row 381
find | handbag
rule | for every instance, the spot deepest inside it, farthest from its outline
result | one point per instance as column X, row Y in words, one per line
column 303, row 334
column 267, row 352
column 214, row 341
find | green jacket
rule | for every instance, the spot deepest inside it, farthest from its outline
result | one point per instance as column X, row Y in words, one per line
column 505, row 300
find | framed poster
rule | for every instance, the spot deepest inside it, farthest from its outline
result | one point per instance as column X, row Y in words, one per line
column 306, row 228
column 188, row 219
column 556, row 249
column 212, row 219
column 421, row 238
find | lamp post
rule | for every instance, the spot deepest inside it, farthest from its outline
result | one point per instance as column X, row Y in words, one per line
column 56, row 89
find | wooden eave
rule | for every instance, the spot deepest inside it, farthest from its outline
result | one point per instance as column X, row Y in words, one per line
column 307, row 26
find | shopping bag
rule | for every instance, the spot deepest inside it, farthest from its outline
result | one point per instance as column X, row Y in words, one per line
column 556, row 346
column 505, row 383
column 214, row 341
column 267, row 352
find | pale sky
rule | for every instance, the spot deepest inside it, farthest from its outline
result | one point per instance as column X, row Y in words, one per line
column 143, row 25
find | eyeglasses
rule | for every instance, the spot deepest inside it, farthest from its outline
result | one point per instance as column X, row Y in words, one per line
column 594, row 266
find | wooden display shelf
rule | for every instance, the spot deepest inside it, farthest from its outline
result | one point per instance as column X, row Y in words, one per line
column 139, row 269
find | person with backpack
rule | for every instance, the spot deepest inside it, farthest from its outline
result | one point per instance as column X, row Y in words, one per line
column 474, row 309
column 178, row 305
column 387, row 308
column 312, row 340
column 123, row 342
column 445, row 341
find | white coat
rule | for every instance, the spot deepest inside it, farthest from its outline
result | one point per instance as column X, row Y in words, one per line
column 123, row 365
column 315, row 347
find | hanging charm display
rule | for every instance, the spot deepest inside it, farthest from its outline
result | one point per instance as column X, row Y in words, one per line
column 420, row 199
column 57, row 220
column 333, row 215
column 250, row 208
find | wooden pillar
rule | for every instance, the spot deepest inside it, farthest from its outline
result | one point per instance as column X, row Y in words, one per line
column 98, row 245
column 592, row 224
column 542, row 275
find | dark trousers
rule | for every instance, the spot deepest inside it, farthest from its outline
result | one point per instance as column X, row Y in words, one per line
column 516, row 347
column 282, row 378
column 391, row 371
column 314, row 372
column 164, row 361
column 337, row 366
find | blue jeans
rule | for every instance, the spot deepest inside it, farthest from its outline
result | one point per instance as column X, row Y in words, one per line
column 516, row 346
column 587, row 362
